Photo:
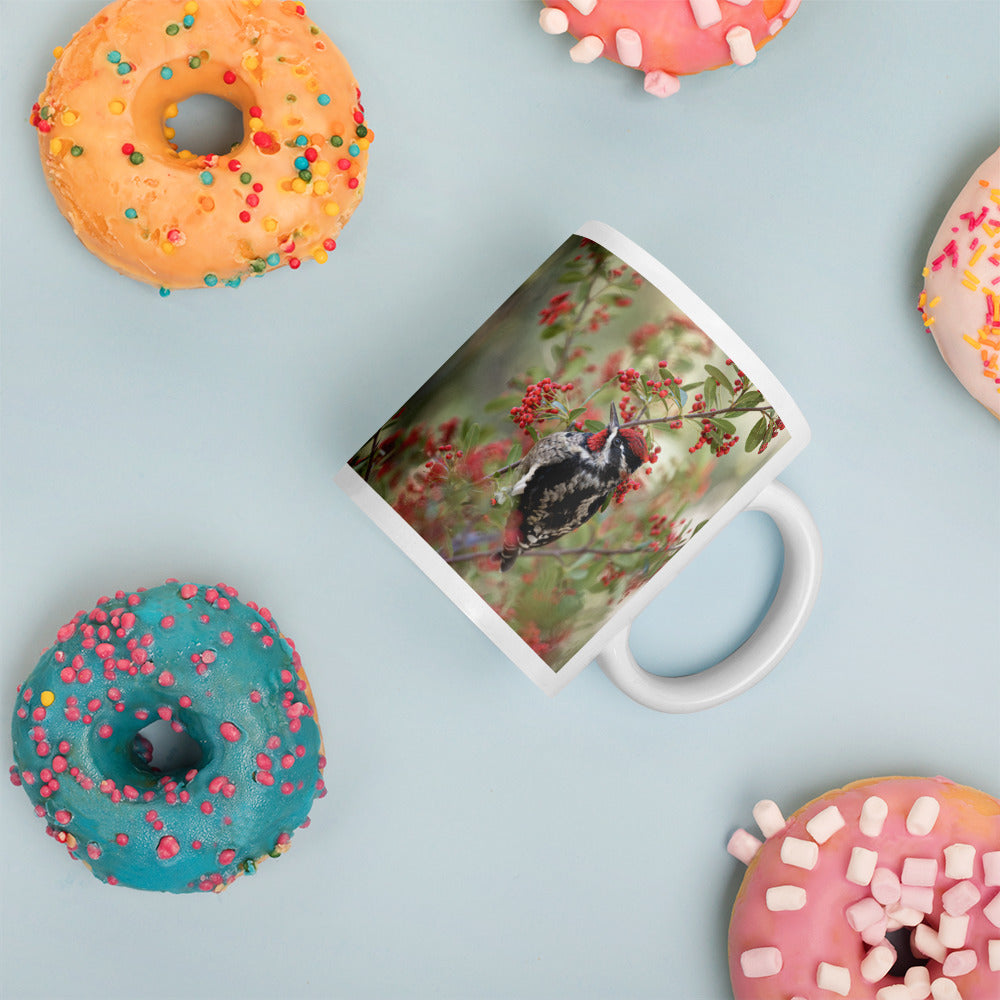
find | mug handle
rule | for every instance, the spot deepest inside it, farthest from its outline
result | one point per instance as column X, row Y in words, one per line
column 781, row 625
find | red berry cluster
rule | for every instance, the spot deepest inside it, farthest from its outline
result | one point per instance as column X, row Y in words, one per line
column 739, row 383
column 659, row 386
column 709, row 436
column 558, row 306
column 535, row 404
column 625, row 487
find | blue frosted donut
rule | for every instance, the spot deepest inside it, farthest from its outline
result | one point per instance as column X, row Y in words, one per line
column 222, row 676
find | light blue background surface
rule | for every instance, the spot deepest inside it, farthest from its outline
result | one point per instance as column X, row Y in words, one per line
column 480, row 840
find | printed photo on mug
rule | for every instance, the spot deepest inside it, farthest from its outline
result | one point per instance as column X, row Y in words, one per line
column 573, row 449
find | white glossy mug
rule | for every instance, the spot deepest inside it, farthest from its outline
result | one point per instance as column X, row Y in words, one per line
column 564, row 465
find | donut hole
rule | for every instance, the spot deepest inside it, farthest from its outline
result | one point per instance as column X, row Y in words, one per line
column 905, row 959
column 162, row 749
column 207, row 125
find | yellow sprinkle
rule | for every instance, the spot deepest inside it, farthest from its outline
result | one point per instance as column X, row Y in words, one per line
column 167, row 247
column 256, row 124
column 55, row 146
column 116, row 107
column 320, row 256
column 321, row 167
column 321, row 187
column 971, row 281
column 363, row 143
column 57, row 51
column 70, row 117
column 928, row 321
column 186, row 154
column 935, row 301
column 979, row 251
column 250, row 61
column 169, row 133
column 299, row 185
column 171, row 111
column 190, row 7
column 969, row 340
column 46, row 698
column 331, row 208
column 270, row 224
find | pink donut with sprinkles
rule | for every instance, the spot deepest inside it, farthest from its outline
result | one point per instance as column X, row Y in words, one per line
column 245, row 753
column 667, row 39
column 180, row 219
column 886, row 889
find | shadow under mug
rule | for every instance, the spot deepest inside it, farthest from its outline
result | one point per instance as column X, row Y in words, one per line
column 573, row 455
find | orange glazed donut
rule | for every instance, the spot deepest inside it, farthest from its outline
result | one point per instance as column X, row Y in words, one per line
column 667, row 39
column 170, row 217
column 886, row 889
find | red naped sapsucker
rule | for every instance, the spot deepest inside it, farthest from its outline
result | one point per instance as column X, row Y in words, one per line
column 564, row 480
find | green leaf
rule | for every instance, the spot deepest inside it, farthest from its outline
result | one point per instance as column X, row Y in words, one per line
column 750, row 399
column 551, row 332
column 710, row 392
column 719, row 377
column 756, row 436
column 593, row 425
column 472, row 438
column 571, row 277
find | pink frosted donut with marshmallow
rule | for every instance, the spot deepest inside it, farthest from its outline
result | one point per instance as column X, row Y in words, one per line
column 667, row 39
column 887, row 889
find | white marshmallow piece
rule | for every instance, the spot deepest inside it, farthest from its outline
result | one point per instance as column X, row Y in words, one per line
column 629, row 47
column 706, row 12
column 924, row 941
column 919, row 871
column 958, row 860
column 585, row 7
column 898, row 991
column 885, row 886
column 922, row 816
column 553, row 21
column 873, row 814
column 589, row 48
column 835, row 978
column 799, row 853
column 953, row 931
column 743, row 846
column 960, row 898
column 991, row 868
column 876, row 933
column 944, row 989
column 768, row 817
column 917, row 897
column 660, row 84
column 863, row 913
column 825, row 824
column 757, row 963
column 903, row 916
column 960, row 963
column 861, row 867
column 918, row 981
column 993, row 951
column 877, row 963
column 992, row 910
column 785, row 897
column 741, row 47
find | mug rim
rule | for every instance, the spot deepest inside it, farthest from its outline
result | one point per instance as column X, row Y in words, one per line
column 475, row 607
